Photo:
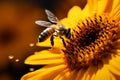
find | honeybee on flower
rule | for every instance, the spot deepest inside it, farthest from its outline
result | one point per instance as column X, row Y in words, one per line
column 54, row 29
column 93, row 53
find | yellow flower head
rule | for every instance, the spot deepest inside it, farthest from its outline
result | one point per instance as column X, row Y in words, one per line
column 93, row 51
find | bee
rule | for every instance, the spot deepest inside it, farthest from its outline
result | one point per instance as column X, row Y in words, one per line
column 54, row 29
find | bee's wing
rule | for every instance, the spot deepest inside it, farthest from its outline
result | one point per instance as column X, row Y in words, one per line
column 51, row 16
column 43, row 23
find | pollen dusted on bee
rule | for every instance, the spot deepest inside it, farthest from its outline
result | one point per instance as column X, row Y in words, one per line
column 90, row 42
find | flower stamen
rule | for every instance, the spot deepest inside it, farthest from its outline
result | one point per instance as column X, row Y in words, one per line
column 90, row 42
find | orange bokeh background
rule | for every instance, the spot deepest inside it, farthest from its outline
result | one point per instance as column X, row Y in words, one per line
column 18, row 32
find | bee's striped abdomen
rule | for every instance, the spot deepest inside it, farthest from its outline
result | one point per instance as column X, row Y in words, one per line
column 45, row 34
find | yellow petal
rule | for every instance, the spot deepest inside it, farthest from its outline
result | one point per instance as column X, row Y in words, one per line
column 93, row 5
column 45, row 57
column 103, row 74
column 118, row 52
column 90, row 73
column 70, row 23
column 73, row 75
column 115, row 8
column 112, row 77
column 74, row 15
column 108, row 6
column 63, row 75
column 31, row 74
column 45, row 73
column 85, row 13
column 43, row 62
column 74, row 12
column 116, row 3
column 104, row 6
column 117, row 15
column 114, row 65
column 80, row 74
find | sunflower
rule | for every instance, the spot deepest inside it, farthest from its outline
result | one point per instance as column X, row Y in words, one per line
column 92, row 53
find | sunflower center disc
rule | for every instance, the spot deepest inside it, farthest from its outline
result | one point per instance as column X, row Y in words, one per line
column 91, row 42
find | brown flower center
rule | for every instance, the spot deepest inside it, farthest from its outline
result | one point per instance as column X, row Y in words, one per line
column 91, row 42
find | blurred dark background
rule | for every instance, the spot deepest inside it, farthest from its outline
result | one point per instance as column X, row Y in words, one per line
column 18, row 32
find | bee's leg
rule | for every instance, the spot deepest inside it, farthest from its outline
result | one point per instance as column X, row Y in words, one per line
column 52, row 40
column 63, row 41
